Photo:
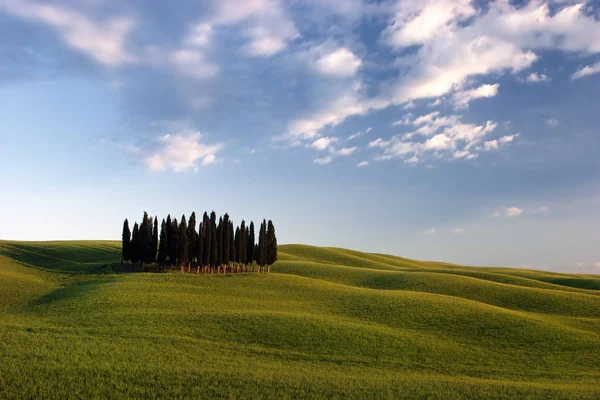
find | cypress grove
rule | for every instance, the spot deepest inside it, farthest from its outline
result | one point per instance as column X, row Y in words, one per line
column 210, row 249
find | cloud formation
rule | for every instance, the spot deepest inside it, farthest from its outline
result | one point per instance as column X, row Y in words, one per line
column 181, row 152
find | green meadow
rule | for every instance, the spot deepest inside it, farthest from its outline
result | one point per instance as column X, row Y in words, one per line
column 325, row 323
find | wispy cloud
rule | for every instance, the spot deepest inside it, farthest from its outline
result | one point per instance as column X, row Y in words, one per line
column 181, row 152
column 323, row 160
column 103, row 40
column 534, row 77
column 587, row 70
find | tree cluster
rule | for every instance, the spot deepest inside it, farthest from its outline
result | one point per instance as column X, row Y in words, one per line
column 216, row 246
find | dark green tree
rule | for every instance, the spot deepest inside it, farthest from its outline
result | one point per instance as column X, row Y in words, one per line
column 192, row 238
column 243, row 242
column 231, row 242
column 145, row 237
column 236, row 245
column 200, row 245
column 163, row 244
column 154, row 247
column 220, row 242
column 135, row 250
column 250, row 244
column 226, row 239
column 183, row 245
column 262, row 244
column 173, row 242
column 207, row 240
column 126, row 243
column 213, row 240
column 169, row 231
column 271, row 244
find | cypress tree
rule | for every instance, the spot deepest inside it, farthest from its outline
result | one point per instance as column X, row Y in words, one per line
column 163, row 244
column 200, row 245
column 144, row 238
column 226, row 239
column 262, row 244
column 243, row 242
column 207, row 240
column 183, row 246
column 192, row 237
column 271, row 245
column 135, row 250
column 154, row 240
column 220, row 242
column 169, row 230
column 250, row 244
column 173, row 242
column 231, row 243
column 236, row 242
column 213, row 239
column 126, row 243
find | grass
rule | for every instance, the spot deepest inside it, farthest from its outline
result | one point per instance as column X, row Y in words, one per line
column 326, row 323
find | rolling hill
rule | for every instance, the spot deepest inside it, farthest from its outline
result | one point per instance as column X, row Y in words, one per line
column 325, row 323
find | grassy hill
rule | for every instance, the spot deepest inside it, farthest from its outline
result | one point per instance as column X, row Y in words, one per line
column 325, row 323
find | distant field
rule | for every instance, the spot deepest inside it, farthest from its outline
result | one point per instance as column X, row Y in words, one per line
column 325, row 323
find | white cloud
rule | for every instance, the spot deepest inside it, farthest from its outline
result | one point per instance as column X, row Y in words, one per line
column 430, row 231
column 363, row 164
column 513, row 211
column 458, row 230
column 461, row 99
column 369, row 129
column 266, row 24
column 553, row 123
column 341, row 62
column 323, row 160
column 456, row 136
column 536, row 78
column 419, row 22
column 508, row 138
column 355, row 135
column 542, row 210
column 263, row 44
column 324, row 143
column 331, row 115
column 426, row 119
column 461, row 154
column 209, row 159
column 345, row 151
column 181, row 152
column 456, row 42
column 496, row 214
column 491, row 145
column 102, row 41
column 435, row 103
column 409, row 106
column 587, row 70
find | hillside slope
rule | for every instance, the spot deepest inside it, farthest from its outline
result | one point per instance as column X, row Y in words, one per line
column 325, row 323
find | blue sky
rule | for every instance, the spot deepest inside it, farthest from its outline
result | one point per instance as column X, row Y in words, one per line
column 453, row 130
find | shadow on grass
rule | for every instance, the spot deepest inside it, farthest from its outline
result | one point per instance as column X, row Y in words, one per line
column 75, row 259
column 72, row 291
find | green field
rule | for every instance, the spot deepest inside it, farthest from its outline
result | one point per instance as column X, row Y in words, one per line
column 325, row 323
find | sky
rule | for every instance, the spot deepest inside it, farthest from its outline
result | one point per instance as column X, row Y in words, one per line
column 450, row 130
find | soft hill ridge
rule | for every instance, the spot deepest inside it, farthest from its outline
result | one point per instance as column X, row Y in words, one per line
column 325, row 323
